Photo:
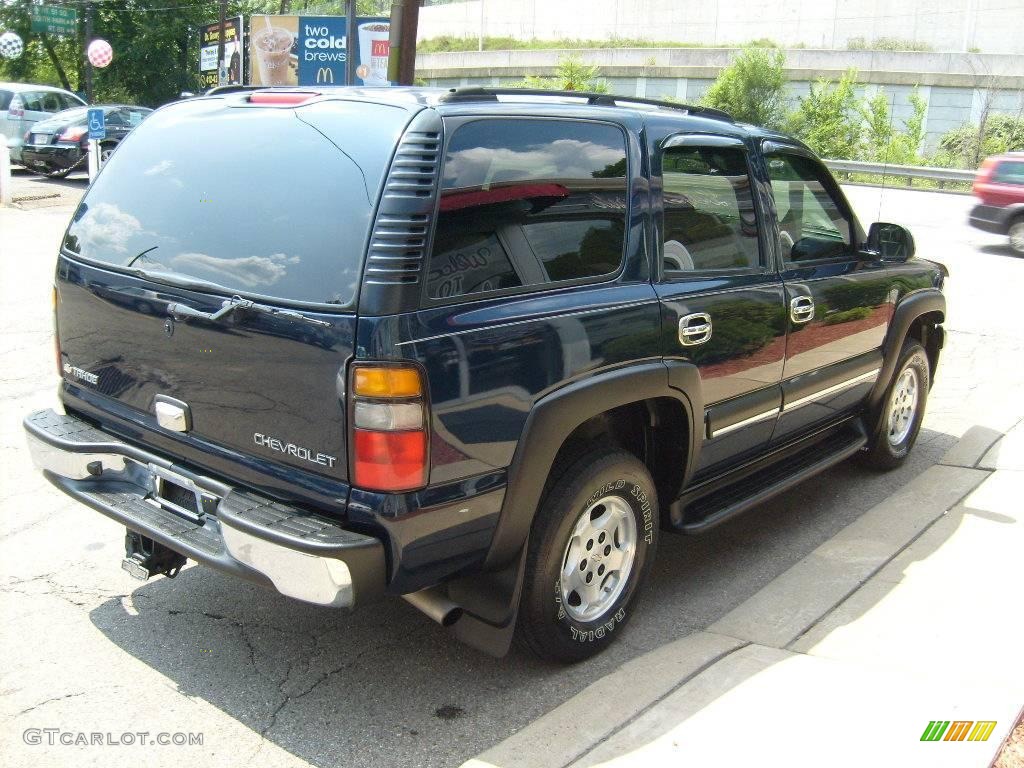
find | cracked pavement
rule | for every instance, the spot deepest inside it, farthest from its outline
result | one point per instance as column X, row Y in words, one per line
column 274, row 682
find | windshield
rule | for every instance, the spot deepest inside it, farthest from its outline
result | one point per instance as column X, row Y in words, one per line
column 263, row 202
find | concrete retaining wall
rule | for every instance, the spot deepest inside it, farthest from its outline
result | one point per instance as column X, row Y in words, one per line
column 993, row 26
column 956, row 86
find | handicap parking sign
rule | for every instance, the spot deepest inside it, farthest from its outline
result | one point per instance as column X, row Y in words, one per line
column 97, row 126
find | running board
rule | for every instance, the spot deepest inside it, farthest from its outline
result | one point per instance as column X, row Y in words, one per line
column 706, row 512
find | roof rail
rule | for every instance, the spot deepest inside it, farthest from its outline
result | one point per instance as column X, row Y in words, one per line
column 219, row 89
column 478, row 93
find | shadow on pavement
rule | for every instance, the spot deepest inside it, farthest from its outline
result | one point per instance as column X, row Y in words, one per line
column 999, row 250
column 385, row 686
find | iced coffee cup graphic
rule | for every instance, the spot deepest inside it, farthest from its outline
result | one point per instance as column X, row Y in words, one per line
column 273, row 54
column 374, row 45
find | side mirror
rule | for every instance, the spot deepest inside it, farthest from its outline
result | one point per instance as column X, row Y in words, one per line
column 890, row 242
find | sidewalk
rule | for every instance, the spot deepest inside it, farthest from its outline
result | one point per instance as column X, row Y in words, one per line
column 910, row 614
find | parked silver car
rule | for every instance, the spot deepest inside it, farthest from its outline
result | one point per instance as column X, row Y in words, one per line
column 22, row 104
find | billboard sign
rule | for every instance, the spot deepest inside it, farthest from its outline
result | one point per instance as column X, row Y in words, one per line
column 314, row 50
column 233, row 53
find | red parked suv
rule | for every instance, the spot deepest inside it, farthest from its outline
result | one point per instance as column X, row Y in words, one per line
column 999, row 187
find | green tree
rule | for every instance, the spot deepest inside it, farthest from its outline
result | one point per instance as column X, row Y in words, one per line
column 962, row 147
column 828, row 118
column 571, row 74
column 752, row 88
column 155, row 42
column 883, row 141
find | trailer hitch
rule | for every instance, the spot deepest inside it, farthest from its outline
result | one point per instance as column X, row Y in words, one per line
column 145, row 557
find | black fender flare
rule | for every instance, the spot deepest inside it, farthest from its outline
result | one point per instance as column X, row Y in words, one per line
column 490, row 600
column 1011, row 212
column 556, row 415
column 908, row 310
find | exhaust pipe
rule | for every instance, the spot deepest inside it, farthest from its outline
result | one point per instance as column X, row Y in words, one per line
column 436, row 605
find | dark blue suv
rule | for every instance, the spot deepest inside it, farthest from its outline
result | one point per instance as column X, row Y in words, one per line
column 475, row 348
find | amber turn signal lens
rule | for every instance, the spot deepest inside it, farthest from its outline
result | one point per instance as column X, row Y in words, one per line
column 387, row 381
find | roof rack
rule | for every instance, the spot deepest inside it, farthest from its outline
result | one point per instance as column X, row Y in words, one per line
column 220, row 89
column 477, row 93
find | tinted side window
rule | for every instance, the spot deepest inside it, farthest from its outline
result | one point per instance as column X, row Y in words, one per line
column 528, row 202
column 31, row 101
column 5, row 99
column 811, row 223
column 710, row 222
column 1009, row 172
column 51, row 102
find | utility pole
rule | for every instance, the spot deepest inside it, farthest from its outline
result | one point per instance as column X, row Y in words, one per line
column 405, row 19
column 350, row 46
column 220, row 42
column 88, row 64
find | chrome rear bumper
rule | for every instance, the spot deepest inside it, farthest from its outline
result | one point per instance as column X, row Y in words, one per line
column 302, row 555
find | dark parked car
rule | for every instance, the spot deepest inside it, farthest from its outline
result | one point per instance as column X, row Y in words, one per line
column 58, row 145
column 471, row 351
column 24, row 104
column 999, row 187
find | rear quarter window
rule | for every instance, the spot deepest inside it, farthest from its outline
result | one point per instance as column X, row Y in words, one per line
column 5, row 99
column 528, row 202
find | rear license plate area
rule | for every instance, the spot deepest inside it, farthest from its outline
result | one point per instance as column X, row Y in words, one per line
column 180, row 495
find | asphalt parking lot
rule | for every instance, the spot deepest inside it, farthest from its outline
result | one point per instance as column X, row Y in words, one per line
column 269, row 681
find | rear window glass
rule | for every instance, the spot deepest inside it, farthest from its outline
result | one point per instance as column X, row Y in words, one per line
column 255, row 200
column 528, row 202
column 78, row 113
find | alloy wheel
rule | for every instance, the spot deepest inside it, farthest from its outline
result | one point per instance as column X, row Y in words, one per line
column 598, row 558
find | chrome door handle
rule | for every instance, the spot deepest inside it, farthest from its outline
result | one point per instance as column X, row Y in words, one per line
column 801, row 309
column 694, row 329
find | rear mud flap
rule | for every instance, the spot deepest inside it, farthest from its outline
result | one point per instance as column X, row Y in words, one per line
column 490, row 604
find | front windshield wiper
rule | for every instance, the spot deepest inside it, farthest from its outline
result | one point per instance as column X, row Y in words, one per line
column 181, row 311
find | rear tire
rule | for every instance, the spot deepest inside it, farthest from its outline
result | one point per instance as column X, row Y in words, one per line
column 591, row 546
column 1016, row 235
column 902, row 410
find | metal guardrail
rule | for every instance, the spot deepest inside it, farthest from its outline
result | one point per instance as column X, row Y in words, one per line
column 908, row 172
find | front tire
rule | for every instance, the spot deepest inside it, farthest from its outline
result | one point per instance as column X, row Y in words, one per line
column 591, row 546
column 902, row 412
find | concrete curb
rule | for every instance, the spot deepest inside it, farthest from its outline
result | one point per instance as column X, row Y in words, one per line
column 775, row 617
column 595, row 713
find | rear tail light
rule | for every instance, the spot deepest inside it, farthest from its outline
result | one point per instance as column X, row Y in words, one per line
column 16, row 108
column 389, row 428
column 74, row 133
column 984, row 175
column 282, row 97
